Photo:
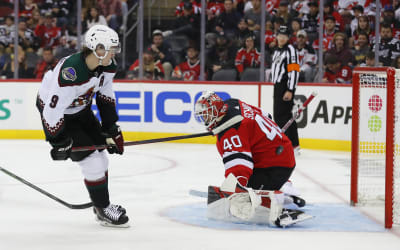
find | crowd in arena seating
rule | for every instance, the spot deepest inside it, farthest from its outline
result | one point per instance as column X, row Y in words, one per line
column 233, row 35
column 47, row 31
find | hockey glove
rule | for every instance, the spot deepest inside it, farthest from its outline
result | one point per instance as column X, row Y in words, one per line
column 114, row 140
column 61, row 150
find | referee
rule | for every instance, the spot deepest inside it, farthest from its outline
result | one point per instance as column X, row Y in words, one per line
column 285, row 72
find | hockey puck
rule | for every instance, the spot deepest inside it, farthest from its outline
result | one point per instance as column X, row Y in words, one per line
column 279, row 150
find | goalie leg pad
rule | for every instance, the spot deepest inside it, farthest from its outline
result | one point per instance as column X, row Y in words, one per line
column 243, row 205
column 274, row 201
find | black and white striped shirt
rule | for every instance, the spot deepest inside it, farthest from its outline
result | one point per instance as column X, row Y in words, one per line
column 285, row 67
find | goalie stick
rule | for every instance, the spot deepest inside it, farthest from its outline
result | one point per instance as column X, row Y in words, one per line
column 69, row 205
column 198, row 193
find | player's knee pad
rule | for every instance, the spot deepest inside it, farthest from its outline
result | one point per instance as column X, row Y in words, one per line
column 94, row 166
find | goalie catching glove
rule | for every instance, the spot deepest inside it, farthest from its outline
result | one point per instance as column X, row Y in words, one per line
column 114, row 139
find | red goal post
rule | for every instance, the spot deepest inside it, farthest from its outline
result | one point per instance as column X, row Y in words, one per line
column 375, row 163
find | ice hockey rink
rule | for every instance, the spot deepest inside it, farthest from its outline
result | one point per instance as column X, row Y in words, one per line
column 152, row 182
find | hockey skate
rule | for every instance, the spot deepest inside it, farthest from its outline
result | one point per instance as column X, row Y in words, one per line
column 111, row 216
column 290, row 217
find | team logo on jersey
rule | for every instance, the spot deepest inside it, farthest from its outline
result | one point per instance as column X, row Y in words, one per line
column 69, row 74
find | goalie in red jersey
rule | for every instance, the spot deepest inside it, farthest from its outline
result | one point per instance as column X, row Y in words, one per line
column 257, row 156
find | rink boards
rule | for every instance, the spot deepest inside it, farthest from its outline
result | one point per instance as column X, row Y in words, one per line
column 159, row 109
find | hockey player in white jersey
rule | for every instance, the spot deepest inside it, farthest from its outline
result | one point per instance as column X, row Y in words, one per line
column 64, row 102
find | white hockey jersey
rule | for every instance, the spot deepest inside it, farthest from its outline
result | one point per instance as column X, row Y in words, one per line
column 69, row 88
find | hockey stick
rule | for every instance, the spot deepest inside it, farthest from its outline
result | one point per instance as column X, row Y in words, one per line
column 131, row 143
column 72, row 206
column 298, row 112
column 174, row 138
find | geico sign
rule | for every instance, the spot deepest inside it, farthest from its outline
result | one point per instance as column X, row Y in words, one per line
column 153, row 105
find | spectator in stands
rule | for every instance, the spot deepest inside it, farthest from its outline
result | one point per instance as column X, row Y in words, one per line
column 196, row 7
column 361, row 48
column 239, row 6
column 48, row 32
column 152, row 70
column 112, row 10
column 329, row 32
column 295, row 26
column 32, row 21
column 363, row 26
column 243, row 32
column 228, row 20
column 26, row 9
column 59, row 9
column 214, row 8
column 253, row 18
column 190, row 69
column 358, row 11
column 5, row 32
column 94, row 17
column 300, row 7
column 335, row 71
column 307, row 57
column 270, row 35
column 283, row 12
column 161, row 51
column 67, row 47
column 388, row 16
column 188, row 24
column 310, row 21
column 247, row 56
column 389, row 47
column 330, row 11
column 23, row 70
column 340, row 49
column 222, row 56
column 369, row 60
column 48, row 62
column 26, row 37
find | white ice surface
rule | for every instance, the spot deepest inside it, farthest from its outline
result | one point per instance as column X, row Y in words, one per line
column 149, row 179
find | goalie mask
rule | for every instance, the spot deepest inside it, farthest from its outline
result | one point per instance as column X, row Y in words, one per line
column 209, row 108
column 101, row 36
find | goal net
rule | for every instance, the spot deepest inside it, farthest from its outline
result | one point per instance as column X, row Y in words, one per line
column 375, row 157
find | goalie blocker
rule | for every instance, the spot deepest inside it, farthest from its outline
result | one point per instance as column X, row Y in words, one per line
column 235, row 203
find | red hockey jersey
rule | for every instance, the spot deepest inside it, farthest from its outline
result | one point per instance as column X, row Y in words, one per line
column 343, row 75
column 246, row 59
column 255, row 142
column 187, row 71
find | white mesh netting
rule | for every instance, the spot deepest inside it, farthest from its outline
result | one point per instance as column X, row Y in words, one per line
column 372, row 141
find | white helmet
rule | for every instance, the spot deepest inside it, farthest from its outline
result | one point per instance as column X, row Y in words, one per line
column 102, row 35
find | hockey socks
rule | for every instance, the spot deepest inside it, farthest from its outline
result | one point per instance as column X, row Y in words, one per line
column 98, row 191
